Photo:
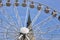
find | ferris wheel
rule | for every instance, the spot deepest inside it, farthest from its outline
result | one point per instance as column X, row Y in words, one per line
column 28, row 20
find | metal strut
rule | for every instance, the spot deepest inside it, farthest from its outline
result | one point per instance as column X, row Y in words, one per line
column 24, row 36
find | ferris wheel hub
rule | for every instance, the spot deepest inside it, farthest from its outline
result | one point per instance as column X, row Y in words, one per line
column 24, row 30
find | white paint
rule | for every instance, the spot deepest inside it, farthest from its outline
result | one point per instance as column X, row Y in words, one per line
column 24, row 30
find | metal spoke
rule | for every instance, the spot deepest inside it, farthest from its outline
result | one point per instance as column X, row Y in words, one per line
column 27, row 37
column 18, row 17
column 43, row 22
column 6, row 15
column 54, row 27
column 36, row 17
column 14, row 37
column 1, row 24
column 10, row 35
column 27, row 12
column 33, row 21
column 16, row 29
column 49, row 29
column 20, row 36
column 5, row 27
column 8, row 32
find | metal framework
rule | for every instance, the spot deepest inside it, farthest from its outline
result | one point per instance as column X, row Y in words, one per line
column 10, row 28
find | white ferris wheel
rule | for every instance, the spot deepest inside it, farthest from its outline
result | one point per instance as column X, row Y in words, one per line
column 28, row 20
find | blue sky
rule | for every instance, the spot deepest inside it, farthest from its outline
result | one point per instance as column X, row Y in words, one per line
column 54, row 4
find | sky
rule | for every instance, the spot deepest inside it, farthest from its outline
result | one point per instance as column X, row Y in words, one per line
column 49, row 25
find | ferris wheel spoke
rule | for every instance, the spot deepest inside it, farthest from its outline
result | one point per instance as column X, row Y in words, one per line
column 36, row 33
column 36, row 17
column 8, row 32
column 27, row 12
column 39, row 37
column 49, row 29
column 54, row 27
column 13, row 36
column 17, row 16
column 7, row 26
column 11, row 25
column 9, row 35
column 43, row 22
column 39, row 32
column 5, row 29
column 7, row 38
column 8, row 17
column 2, row 26
column 15, row 27
column 27, row 37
